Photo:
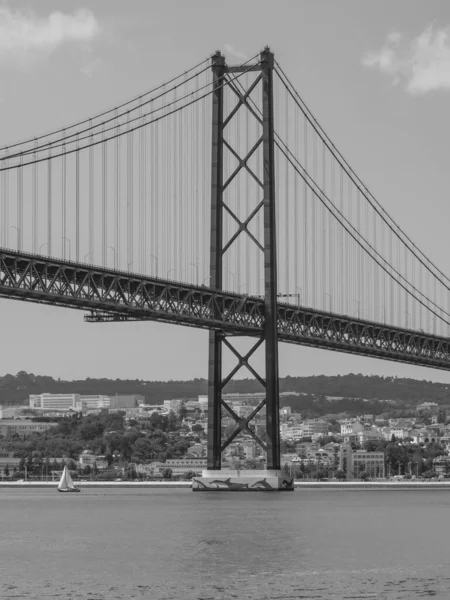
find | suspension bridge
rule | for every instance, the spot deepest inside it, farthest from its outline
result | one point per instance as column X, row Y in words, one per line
column 216, row 200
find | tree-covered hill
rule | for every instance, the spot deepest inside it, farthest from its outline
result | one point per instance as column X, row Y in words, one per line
column 15, row 389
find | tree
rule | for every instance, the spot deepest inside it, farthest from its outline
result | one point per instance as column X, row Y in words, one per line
column 364, row 476
column 189, row 475
column 6, row 470
column 182, row 413
column 87, row 470
column 341, row 475
column 167, row 473
column 197, row 428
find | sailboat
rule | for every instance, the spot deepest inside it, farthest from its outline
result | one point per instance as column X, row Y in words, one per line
column 65, row 483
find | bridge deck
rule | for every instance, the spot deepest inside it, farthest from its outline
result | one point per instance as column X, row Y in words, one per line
column 118, row 296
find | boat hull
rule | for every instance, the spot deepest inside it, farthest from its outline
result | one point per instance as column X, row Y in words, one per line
column 70, row 491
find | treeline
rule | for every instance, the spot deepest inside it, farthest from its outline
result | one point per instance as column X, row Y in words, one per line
column 15, row 389
column 103, row 434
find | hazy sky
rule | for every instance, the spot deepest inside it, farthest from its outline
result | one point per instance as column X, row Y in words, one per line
column 375, row 74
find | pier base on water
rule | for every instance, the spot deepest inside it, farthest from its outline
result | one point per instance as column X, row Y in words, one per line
column 224, row 480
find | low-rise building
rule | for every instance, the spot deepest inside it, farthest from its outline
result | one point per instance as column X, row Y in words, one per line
column 356, row 462
column 11, row 412
column 54, row 402
column 126, row 401
column 312, row 427
column 351, row 427
column 22, row 427
column 7, row 459
column 173, row 405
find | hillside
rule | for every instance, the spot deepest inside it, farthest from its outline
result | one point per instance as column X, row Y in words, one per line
column 15, row 389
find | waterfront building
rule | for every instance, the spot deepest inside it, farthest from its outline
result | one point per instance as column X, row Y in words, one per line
column 8, row 459
column 22, row 427
column 87, row 458
column 54, row 402
column 441, row 464
column 181, row 466
column 356, row 462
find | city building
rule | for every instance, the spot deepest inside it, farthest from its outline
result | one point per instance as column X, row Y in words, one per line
column 313, row 427
column 173, row 405
column 126, row 401
column 427, row 407
column 87, row 458
column 252, row 399
column 54, row 402
column 441, row 464
column 8, row 459
column 181, row 466
column 249, row 448
column 11, row 412
column 349, row 427
column 203, row 402
column 356, row 462
column 22, row 427
column 96, row 402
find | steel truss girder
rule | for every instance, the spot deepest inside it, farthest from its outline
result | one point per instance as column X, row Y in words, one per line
column 120, row 296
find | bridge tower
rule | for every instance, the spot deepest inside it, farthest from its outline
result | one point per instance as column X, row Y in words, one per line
column 223, row 79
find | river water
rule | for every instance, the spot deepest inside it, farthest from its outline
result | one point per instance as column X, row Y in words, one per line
column 176, row 544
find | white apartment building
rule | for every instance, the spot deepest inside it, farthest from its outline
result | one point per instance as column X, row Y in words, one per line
column 54, row 401
column 350, row 427
column 203, row 402
column 244, row 398
column 292, row 433
column 314, row 427
column 11, row 412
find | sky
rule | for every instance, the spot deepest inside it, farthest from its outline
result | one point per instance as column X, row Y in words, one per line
column 376, row 75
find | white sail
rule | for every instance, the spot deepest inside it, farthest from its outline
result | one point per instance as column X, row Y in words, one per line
column 69, row 481
column 63, row 481
column 66, row 483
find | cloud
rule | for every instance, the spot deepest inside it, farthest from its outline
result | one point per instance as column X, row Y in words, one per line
column 23, row 34
column 422, row 65
column 229, row 49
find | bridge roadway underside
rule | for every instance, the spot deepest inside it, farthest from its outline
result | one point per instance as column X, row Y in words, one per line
column 120, row 296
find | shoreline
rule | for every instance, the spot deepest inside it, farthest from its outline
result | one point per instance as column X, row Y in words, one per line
column 298, row 485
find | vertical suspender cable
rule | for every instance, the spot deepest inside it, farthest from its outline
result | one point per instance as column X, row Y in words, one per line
column 34, row 214
column 104, row 198
column 63, row 198
column 49, row 202
column 117, row 196
column 77, row 200
column 20, row 204
column 91, row 201
column 129, row 196
column 5, row 202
